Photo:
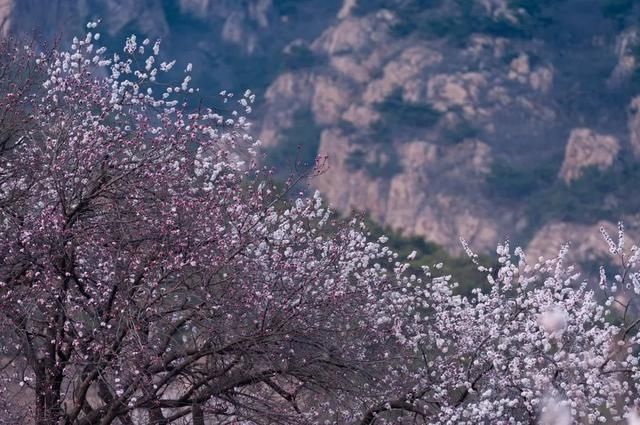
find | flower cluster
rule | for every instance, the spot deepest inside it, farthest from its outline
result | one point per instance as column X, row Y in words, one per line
column 151, row 270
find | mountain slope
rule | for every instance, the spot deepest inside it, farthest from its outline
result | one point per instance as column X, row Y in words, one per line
column 484, row 119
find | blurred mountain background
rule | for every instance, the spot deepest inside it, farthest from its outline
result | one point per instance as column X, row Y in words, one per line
column 486, row 119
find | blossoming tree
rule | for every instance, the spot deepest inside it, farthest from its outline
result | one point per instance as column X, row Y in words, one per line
column 152, row 272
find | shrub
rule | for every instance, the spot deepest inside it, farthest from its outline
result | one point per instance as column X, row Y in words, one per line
column 617, row 9
column 460, row 131
column 299, row 57
column 517, row 183
column 394, row 110
column 384, row 164
column 298, row 144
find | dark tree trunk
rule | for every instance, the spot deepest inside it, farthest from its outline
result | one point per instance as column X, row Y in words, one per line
column 156, row 417
column 197, row 414
column 48, row 403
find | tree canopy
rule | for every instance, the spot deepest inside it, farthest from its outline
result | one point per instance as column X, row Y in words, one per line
column 151, row 271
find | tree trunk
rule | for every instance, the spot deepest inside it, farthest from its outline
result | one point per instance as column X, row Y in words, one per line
column 156, row 417
column 197, row 414
column 48, row 404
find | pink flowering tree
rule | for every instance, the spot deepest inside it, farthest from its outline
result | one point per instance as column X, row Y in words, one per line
column 151, row 272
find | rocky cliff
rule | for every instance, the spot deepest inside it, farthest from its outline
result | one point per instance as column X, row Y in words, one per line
column 485, row 119
column 417, row 128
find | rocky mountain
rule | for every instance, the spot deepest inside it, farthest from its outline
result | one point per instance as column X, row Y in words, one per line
column 233, row 43
column 486, row 119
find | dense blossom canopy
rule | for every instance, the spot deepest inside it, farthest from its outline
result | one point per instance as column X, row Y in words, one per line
column 152, row 272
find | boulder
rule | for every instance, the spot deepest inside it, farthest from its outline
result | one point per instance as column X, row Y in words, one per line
column 586, row 148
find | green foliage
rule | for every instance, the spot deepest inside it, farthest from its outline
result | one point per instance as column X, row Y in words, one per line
column 298, row 145
column 396, row 112
column 404, row 6
column 457, row 26
column 518, row 183
column 538, row 12
column 460, row 132
column 381, row 131
column 347, row 127
column 426, row 19
column 364, row 7
column 617, row 9
column 377, row 155
column 635, row 75
column 381, row 161
column 431, row 26
column 286, row 7
column 531, row 7
column 356, row 160
column 414, row 17
column 616, row 191
column 179, row 20
column 299, row 57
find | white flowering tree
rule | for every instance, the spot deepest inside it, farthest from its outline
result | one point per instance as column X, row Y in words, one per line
column 151, row 272
column 537, row 347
